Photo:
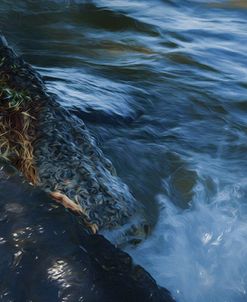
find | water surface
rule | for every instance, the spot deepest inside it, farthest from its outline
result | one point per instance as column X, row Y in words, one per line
column 162, row 86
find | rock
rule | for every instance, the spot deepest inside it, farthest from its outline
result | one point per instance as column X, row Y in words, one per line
column 46, row 254
column 54, row 150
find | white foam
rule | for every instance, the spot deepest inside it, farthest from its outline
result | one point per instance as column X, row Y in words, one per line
column 200, row 254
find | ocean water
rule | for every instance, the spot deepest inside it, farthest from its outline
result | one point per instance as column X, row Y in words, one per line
column 162, row 87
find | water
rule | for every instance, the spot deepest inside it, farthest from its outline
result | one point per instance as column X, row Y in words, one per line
column 162, row 86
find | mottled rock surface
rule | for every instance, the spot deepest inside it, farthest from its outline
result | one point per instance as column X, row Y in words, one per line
column 66, row 157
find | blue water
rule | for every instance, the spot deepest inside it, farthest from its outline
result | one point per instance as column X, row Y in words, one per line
column 162, row 86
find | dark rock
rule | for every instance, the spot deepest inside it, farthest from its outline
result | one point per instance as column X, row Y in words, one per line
column 47, row 255
column 61, row 142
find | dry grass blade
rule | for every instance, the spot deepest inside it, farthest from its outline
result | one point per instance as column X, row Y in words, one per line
column 16, row 126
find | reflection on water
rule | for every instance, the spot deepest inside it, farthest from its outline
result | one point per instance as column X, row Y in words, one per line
column 162, row 86
column 59, row 272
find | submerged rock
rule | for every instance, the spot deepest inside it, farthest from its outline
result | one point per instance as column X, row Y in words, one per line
column 46, row 254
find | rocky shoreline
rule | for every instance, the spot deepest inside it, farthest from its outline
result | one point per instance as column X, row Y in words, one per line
column 48, row 254
column 54, row 151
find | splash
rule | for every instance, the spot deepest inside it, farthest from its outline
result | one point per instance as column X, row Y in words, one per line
column 200, row 254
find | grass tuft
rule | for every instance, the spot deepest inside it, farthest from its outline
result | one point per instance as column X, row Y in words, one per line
column 17, row 129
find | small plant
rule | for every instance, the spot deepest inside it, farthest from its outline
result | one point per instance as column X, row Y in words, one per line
column 15, row 98
column 14, row 67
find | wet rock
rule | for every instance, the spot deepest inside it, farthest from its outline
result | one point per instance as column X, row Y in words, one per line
column 46, row 254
